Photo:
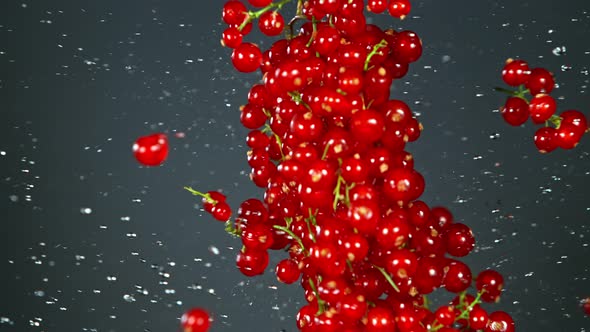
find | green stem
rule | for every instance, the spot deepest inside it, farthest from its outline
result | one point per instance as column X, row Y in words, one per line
column 254, row 15
column 337, row 191
column 231, row 230
column 520, row 93
column 464, row 313
column 374, row 51
column 295, row 237
column 321, row 303
column 204, row 195
column 387, row 276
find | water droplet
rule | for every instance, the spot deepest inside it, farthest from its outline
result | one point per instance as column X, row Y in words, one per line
column 559, row 50
column 128, row 298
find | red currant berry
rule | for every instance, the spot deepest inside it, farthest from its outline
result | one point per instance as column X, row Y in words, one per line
column 478, row 318
column 491, row 283
column 546, row 139
column 516, row 111
column 221, row 211
column 232, row 37
column 445, row 315
column 246, row 58
column 576, row 119
column 287, row 271
column 568, row 136
column 252, row 262
column 195, row 320
column 542, row 107
column 399, row 8
column 380, row 320
column 151, row 150
column 499, row 321
column 515, row 72
column 459, row 240
column 457, row 276
column 377, row 6
column 407, row 47
column 271, row 23
column 234, row 12
column 540, row 81
column 403, row 185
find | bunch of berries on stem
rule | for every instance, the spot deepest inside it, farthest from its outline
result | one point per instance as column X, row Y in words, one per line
column 559, row 131
column 341, row 195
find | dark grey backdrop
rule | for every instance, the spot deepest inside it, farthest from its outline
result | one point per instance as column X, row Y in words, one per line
column 93, row 242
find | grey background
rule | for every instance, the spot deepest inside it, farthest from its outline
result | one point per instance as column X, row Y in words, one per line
column 80, row 80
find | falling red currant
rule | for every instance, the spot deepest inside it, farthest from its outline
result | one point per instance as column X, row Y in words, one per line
column 195, row 320
column 151, row 150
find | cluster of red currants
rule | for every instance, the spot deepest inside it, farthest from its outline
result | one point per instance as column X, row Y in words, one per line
column 327, row 145
column 564, row 130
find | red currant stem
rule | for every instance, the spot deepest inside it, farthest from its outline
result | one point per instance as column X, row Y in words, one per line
column 269, row 129
column 296, row 97
column 520, row 93
column 347, row 202
column 465, row 313
column 298, row 16
column 554, row 120
column 291, row 234
column 312, row 217
column 198, row 193
column 426, row 302
column 325, row 154
column 349, row 264
column 387, row 276
column 288, row 221
column 314, row 24
column 321, row 303
column 256, row 14
column 337, row 192
column 374, row 51
column 307, row 222
column 231, row 230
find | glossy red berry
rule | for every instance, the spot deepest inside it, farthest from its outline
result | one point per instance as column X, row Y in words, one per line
column 457, row 276
column 151, row 150
column 515, row 111
column 246, row 57
column 516, row 72
column 568, row 136
column 499, row 321
column 576, row 119
column 287, row 271
column 445, row 315
column 377, row 6
column 407, row 47
column 252, row 262
column 459, row 240
column 234, row 12
column 492, row 283
column 271, row 23
column 478, row 318
column 540, row 81
column 195, row 320
column 232, row 37
column 541, row 108
column 399, row 8
column 546, row 139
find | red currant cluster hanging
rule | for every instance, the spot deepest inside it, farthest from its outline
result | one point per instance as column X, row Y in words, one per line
column 560, row 131
column 327, row 146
